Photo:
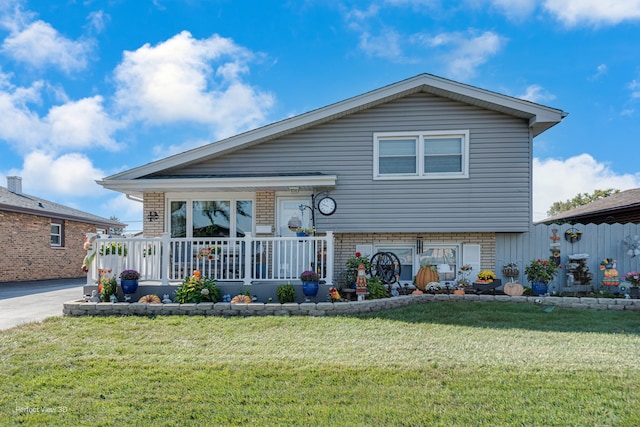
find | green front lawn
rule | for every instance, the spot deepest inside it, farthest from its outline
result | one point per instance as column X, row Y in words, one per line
column 434, row 364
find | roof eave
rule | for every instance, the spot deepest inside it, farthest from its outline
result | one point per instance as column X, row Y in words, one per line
column 54, row 215
column 137, row 187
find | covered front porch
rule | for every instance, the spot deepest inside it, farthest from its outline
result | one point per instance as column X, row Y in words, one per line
column 244, row 260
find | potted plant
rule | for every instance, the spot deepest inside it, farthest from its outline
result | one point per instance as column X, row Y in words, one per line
column 310, row 281
column 300, row 232
column 633, row 278
column 129, row 281
column 540, row 273
column 350, row 273
column 108, row 287
column 486, row 276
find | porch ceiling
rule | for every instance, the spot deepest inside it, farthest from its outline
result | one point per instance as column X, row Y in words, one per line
column 137, row 187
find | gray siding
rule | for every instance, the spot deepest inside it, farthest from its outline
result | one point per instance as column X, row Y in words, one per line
column 496, row 197
column 599, row 241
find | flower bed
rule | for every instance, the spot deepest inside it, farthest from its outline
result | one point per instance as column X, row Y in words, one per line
column 81, row 308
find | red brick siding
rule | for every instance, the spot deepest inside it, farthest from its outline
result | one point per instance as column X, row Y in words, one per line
column 27, row 253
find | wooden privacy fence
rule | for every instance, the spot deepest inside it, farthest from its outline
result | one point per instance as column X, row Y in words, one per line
column 599, row 241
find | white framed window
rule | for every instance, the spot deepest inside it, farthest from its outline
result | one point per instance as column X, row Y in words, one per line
column 433, row 253
column 215, row 215
column 57, row 234
column 421, row 155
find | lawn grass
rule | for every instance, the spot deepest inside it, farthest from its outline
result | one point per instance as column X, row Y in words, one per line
column 433, row 364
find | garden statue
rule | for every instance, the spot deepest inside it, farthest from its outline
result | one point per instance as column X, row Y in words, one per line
column 94, row 296
column 361, row 282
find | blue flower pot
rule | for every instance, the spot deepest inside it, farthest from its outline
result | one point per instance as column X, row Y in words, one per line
column 310, row 289
column 129, row 286
column 539, row 288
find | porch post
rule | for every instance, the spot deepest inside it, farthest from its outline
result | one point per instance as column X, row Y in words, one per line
column 248, row 259
column 330, row 256
column 165, row 251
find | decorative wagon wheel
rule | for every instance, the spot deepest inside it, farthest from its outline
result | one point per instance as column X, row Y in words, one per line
column 386, row 266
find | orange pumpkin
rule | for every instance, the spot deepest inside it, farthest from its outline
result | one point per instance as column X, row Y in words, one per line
column 417, row 292
column 150, row 299
column 426, row 274
column 513, row 289
column 458, row 292
column 241, row 299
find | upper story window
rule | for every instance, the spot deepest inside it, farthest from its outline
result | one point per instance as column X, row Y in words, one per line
column 421, row 155
column 57, row 233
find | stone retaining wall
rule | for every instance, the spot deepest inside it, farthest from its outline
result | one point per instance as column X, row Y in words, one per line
column 81, row 308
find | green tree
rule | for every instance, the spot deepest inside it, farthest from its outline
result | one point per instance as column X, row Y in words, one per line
column 116, row 231
column 579, row 200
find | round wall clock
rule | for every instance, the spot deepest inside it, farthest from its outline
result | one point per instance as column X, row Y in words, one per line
column 327, row 206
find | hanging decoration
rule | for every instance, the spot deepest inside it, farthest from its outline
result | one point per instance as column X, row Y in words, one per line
column 632, row 244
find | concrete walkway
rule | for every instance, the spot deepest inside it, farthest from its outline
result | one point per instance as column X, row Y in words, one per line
column 26, row 302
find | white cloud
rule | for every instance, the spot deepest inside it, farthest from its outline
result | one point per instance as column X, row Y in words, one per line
column 174, row 82
column 81, row 124
column 40, row 45
column 558, row 180
column 384, row 45
column 69, row 126
column 515, row 9
column 601, row 70
column 463, row 53
column 634, row 87
column 97, row 21
column 19, row 125
column 536, row 93
column 593, row 12
column 70, row 174
column 125, row 210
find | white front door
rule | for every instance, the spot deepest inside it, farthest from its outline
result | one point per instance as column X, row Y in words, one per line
column 292, row 256
column 289, row 215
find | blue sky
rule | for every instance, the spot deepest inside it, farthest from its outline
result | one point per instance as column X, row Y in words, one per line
column 91, row 88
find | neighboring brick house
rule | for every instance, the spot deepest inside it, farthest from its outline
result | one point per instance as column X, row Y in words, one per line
column 41, row 239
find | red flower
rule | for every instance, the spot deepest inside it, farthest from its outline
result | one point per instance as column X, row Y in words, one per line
column 358, row 254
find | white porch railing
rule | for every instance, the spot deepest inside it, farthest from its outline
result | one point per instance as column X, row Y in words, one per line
column 246, row 259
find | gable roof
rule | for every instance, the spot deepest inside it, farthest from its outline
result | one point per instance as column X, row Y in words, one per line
column 138, row 180
column 539, row 116
column 31, row 205
column 616, row 204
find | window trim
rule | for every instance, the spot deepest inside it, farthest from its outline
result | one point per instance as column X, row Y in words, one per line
column 420, row 136
column 189, row 198
column 415, row 256
column 60, row 224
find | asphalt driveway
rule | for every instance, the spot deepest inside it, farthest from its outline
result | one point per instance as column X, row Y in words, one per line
column 26, row 302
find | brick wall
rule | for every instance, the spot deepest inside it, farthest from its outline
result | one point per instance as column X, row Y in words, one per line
column 266, row 209
column 27, row 253
column 153, row 202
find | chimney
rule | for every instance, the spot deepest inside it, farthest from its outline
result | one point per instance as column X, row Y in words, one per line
column 14, row 184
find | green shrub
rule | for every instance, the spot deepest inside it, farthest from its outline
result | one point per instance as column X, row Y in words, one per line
column 376, row 289
column 196, row 289
column 286, row 293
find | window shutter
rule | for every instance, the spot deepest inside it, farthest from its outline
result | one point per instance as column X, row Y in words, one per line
column 471, row 256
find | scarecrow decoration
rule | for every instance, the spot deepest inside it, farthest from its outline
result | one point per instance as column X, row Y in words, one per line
column 361, row 282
